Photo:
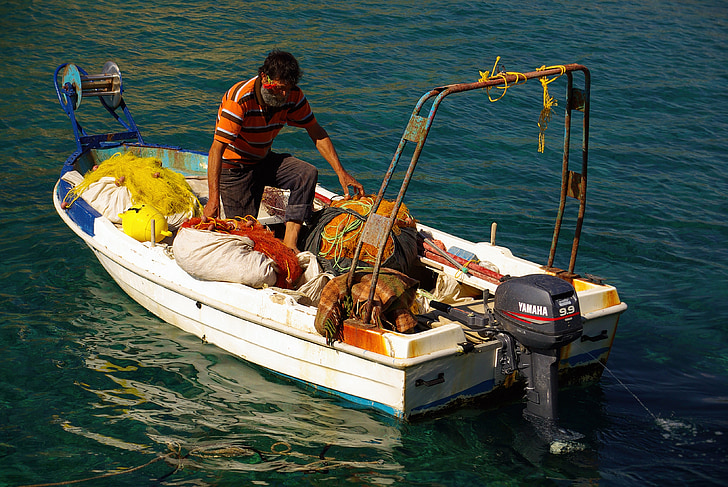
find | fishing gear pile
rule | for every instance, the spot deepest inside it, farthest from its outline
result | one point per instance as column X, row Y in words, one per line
column 335, row 237
column 125, row 180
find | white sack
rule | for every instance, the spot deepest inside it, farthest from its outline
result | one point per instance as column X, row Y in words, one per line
column 212, row 256
column 314, row 287
column 107, row 198
column 310, row 266
column 448, row 290
column 176, row 219
column 313, row 280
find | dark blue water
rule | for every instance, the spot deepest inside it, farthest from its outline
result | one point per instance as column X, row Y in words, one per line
column 91, row 383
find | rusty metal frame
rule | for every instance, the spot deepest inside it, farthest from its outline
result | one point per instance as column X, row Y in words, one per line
column 573, row 184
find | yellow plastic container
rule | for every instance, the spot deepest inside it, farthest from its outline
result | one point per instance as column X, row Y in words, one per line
column 137, row 223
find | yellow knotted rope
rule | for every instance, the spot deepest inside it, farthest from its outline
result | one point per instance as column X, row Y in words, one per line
column 548, row 103
column 464, row 268
column 490, row 75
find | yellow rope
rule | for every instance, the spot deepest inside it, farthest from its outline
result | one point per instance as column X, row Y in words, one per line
column 548, row 103
column 491, row 75
column 464, row 268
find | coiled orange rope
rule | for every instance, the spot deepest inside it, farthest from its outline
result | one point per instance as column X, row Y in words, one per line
column 340, row 236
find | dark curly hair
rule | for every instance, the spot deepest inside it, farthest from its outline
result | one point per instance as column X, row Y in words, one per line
column 282, row 66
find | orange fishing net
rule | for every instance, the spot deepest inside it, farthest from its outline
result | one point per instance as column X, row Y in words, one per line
column 289, row 270
column 340, row 237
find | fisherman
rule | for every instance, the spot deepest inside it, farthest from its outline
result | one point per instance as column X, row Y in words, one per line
column 241, row 163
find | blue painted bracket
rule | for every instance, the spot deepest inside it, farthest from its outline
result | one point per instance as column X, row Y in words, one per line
column 70, row 90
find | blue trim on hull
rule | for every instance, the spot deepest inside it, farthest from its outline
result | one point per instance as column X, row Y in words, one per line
column 359, row 401
column 477, row 390
column 80, row 211
column 585, row 358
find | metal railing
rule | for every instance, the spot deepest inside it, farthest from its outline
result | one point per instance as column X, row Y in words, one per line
column 573, row 184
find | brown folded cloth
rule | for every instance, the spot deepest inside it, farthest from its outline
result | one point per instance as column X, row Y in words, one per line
column 393, row 298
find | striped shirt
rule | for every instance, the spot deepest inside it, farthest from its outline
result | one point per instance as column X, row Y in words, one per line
column 247, row 130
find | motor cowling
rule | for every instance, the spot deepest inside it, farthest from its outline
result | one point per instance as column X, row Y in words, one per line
column 539, row 310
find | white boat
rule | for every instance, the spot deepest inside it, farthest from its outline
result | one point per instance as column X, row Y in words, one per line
column 462, row 351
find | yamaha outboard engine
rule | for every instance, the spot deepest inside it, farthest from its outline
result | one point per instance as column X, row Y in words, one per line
column 542, row 313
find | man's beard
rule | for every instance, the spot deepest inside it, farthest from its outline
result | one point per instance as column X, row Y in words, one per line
column 272, row 100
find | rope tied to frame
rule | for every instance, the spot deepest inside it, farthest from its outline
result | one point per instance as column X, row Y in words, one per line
column 548, row 103
column 501, row 74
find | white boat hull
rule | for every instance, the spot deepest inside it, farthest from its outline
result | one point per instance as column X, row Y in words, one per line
column 421, row 373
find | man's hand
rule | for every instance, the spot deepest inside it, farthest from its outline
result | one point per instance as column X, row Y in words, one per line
column 346, row 180
column 212, row 209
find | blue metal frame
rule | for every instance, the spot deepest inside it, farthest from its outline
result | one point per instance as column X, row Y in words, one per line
column 67, row 96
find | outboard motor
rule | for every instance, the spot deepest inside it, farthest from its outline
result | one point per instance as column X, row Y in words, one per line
column 542, row 313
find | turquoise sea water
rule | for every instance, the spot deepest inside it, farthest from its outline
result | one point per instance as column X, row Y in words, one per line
column 91, row 383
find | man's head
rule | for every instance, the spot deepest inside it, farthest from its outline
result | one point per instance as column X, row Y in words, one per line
column 281, row 66
column 279, row 75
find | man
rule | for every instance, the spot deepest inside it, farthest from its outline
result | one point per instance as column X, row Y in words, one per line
column 241, row 163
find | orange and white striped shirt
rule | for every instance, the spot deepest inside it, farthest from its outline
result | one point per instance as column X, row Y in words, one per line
column 244, row 128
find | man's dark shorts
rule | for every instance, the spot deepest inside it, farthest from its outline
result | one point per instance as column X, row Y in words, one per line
column 241, row 188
